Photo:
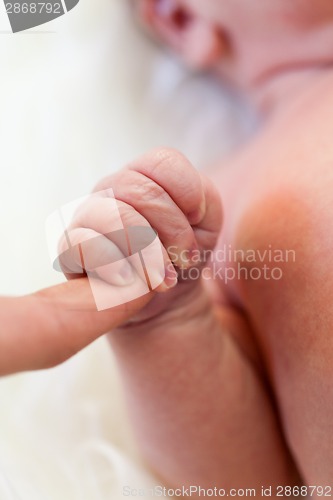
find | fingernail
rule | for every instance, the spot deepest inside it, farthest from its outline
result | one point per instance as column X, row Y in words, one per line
column 171, row 276
column 183, row 259
column 186, row 258
column 125, row 276
column 167, row 279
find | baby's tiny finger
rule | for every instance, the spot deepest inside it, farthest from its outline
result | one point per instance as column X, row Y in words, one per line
column 91, row 252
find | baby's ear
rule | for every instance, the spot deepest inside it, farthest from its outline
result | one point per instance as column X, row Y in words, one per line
column 200, row 42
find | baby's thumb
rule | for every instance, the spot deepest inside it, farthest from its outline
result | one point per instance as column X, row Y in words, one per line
column 46, row 328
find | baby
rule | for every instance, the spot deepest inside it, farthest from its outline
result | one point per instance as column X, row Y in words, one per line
column 229, row 379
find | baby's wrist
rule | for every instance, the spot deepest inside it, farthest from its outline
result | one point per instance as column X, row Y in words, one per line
column 182, row 308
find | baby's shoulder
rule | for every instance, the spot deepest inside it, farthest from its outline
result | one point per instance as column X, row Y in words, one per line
column 279, row 189
column 278, row 197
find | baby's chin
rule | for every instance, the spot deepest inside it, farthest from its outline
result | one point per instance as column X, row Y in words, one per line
column 259, row 65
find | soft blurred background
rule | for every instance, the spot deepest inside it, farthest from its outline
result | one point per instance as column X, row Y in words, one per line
column 80, row 97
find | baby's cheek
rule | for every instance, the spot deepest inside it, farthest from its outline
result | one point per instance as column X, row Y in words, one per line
column 305, row 14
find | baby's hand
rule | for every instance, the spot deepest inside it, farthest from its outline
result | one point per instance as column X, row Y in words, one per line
column 160, row 191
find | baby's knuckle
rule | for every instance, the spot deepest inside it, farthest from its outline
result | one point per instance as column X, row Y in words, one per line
column 167, row 157
column 149, row 191
column 142, row 190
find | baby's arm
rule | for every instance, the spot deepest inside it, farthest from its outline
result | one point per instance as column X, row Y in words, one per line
column 200, row 411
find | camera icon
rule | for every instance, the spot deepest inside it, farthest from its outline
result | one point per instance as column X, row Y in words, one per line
column 132, row 266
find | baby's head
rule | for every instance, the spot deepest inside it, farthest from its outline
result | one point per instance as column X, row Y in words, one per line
column 246, row 41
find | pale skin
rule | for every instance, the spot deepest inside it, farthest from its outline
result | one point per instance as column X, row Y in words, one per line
column 227, row 385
